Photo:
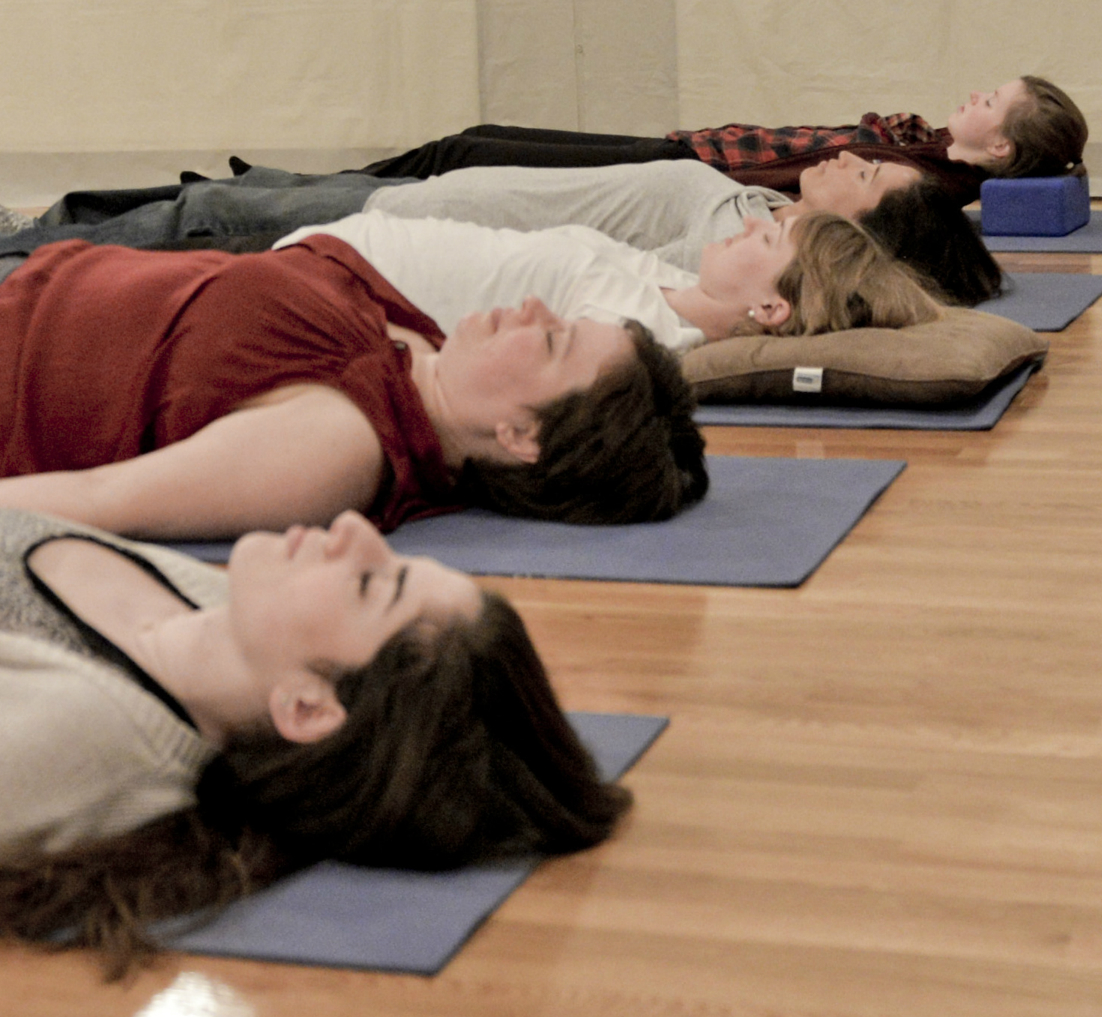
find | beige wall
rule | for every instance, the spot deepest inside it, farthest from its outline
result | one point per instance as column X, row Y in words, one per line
column 829, row 61
column 593, row 65
column 143, row 84
column 112, row 92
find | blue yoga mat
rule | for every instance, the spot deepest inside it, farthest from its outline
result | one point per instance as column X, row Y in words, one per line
column 1085, row 240
column 764, row 522
column 339, row 915
column 1045, row 301
column 979, row 414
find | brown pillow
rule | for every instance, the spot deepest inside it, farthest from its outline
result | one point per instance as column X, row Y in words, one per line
column 940, row 361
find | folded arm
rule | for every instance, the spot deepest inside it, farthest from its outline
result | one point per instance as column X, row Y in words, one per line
column 301, row 454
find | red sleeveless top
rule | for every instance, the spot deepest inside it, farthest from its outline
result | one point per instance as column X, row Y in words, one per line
column 108, row 352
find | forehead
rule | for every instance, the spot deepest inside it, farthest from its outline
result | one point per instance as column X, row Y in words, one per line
column 897, row 174
column 600, row 341
column 440, row 593
column 1012, row 89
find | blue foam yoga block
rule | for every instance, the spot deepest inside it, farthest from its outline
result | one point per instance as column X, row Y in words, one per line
column 1034, row 206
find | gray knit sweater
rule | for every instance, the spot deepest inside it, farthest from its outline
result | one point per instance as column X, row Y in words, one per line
column 85, row 751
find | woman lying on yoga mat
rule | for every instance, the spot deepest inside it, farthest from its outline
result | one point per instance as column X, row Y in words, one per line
column 202, row 394
column 672, row 208
column 173, row 736
column 1025, row 128
column 806, row 275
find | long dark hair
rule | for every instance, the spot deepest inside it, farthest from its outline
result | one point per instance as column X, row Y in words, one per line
column 624, row 451
column 454, row 750
column 923, row 226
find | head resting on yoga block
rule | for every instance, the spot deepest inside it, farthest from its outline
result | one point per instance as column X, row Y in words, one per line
column 1026, row 128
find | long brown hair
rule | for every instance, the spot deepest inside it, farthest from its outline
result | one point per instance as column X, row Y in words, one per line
column 455, row 750
column 841, row 278
column 1046, row 130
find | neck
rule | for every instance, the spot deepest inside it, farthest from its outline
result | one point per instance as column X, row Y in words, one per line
column 960, row 153
column 423, row 372
column 715, row 320
column 194, row 657
column 797, row 207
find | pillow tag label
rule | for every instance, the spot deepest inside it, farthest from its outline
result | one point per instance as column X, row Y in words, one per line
column 807, row 379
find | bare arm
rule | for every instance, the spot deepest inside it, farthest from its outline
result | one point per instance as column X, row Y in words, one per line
column 302, row 456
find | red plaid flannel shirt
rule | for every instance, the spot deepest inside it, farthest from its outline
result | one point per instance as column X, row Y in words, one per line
column 736, row 146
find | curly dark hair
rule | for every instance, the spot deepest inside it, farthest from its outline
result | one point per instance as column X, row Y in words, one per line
column 624, row 451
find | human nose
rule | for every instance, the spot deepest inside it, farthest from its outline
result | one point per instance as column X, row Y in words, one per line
column 534, row 310
column 350, row 533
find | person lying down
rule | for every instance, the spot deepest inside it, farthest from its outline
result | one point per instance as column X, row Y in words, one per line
column 672, row 209
column 174, row 736
column 1027, row 127
column 200, row 394
column 806, row 275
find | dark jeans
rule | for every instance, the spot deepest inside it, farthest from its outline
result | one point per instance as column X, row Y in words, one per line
column 258, row 201
column 491, row 145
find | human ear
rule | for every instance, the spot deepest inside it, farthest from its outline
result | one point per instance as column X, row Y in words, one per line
column 306, row 712
column 773, row 312
column 521, row 442
column 1000, row 148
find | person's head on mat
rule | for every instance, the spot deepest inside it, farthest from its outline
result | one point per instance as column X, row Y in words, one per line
column 333, row 700
column 911, row 215
column 1026, row 128
column 809, row 274
column 622, row 449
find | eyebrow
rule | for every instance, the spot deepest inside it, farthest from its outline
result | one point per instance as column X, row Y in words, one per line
column 872, row 179
column 398, row 586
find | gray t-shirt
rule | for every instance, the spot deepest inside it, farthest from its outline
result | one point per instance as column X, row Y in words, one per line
column 672, row 208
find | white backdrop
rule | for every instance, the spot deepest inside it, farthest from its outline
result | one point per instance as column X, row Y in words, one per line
column 128, row 92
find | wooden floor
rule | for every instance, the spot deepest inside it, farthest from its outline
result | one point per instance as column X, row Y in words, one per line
column 880, row 794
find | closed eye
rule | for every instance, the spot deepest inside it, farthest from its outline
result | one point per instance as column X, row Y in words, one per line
column 399, row 585
column 550, row 342
column 365, row 580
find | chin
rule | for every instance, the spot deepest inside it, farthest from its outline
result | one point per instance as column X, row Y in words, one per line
column 249, row 546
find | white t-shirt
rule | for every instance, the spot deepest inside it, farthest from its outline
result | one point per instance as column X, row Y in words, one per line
column 449, row 269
